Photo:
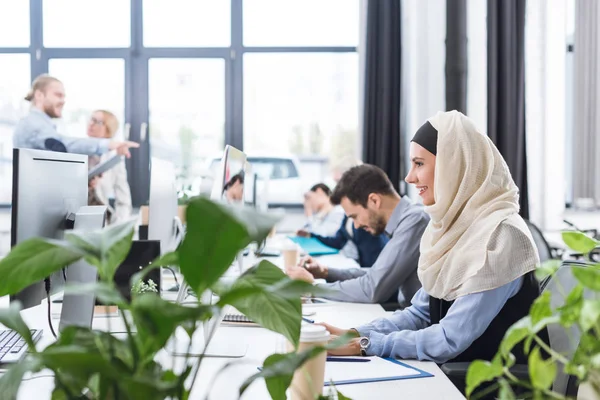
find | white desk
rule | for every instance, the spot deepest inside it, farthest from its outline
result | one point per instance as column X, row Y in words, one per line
column 262, row 343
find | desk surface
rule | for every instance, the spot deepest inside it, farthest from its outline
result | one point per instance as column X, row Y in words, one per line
column 261, row 343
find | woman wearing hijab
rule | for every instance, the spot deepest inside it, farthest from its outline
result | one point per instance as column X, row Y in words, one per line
column 477, row 254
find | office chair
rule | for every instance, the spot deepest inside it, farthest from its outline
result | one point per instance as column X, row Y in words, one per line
column 561, row 340
column 545, row 251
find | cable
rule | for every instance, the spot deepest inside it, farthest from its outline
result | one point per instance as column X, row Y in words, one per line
column 64, row 271
column 47, row 285
column 174, row 276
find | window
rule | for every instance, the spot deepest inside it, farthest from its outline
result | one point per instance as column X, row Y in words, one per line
column 187, row 112
column 187, row 23
column 14, row 85
column 76, row 23
column 14, row 23
column 301, row 23
column 301, row 103
column 274, row 168
column 90, row 84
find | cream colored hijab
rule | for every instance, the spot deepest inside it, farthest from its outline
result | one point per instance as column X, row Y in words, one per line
column 474, row 193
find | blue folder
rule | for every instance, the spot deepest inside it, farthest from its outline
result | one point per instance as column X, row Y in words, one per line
column 313, row 247
column 419, row 373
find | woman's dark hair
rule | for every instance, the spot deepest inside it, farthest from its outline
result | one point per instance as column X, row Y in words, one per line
column 359, row 182
column 236, row 178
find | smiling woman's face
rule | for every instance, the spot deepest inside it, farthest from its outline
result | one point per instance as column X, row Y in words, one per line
column 422, row 172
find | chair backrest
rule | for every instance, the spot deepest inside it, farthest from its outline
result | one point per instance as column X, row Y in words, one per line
column 564, row 341
column 544, row 250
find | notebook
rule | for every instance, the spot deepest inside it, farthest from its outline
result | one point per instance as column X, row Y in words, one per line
column 377, row 370
column 235, row 317
column 313, row 247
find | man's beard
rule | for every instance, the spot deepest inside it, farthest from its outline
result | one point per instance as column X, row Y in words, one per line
column 376, row 223
column 49, row 110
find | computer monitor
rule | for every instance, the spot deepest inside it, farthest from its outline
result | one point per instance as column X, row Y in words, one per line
column 163, row 223
column 48, row 189
column 230, row 177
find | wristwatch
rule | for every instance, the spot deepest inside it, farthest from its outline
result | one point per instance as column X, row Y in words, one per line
column 364, row 345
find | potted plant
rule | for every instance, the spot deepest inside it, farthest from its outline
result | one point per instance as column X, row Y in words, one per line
column 578, row 312
column 97, row 365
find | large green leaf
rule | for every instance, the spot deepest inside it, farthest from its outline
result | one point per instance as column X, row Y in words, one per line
column 11, row 380
column 505, row 392
column 590, row 312
column 157, row 319
column 515, row 334
column 33, row 260
column 258, row 224
column 11, row 318
column 541, row 372
column 571, row 309
column 482, row 371
column 103, row 291
column 579, row 241
column 540, row 308
column 278, row 369
column 213, row 238
column 106, row 248
column 270, row 306
column 588, row 276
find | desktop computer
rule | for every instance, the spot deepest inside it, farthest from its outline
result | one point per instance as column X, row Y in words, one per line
column 163, row 223
column 48, row 190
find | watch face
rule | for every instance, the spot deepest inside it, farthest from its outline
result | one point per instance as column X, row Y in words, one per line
column 364, row 342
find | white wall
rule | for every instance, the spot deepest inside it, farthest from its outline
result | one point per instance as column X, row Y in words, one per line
column 423, row 63
column 545, row 52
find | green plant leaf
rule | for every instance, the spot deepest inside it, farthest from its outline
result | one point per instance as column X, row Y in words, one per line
column 33, row 260
column 166, row 260
column 579, row 241
column 11, row 380
column 570, row 311
column 546, row 269
column 104, row 292
column 482, row 371
column 590, row 312
column 11, row 318
column 157, row 319
column 542, row 372
column 540, row 308
column 105, row 248
column 515, row 334
column 588, row 276
column 213, row 238
column 270, row 306
column 278, row 369
column 505, row 392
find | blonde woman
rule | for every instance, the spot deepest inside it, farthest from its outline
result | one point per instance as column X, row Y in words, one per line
column 113, row 183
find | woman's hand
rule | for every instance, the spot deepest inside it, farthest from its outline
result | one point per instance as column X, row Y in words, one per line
column 352, row 348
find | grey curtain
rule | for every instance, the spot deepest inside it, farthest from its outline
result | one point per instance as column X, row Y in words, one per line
column 382, row 90
column 586, row 111
column 456, row 55
column 506, row 88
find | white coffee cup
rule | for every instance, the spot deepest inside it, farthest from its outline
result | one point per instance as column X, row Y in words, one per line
column 309, row 378
column 291, row 254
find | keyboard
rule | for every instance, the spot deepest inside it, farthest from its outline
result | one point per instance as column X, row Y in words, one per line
column 13, row 347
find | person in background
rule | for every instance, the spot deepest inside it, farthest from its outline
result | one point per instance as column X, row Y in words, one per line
column 367, row 246
column 477, row 255
column 323, row 217
column 369, row 198
column 234, row 189
column 37, row 131
column 113, row 183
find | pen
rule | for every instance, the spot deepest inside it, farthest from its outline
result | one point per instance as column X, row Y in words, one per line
column 344, row 359
column 310, row 321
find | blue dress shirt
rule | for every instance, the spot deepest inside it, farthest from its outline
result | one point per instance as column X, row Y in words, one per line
column 408, row 334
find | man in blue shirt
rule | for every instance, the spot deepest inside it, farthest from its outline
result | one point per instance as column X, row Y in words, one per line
column 368, row 246
column 37, row 131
